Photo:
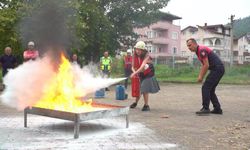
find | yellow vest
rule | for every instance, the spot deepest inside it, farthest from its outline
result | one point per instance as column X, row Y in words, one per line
column 106, row 63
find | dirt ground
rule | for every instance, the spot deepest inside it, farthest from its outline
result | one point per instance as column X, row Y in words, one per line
column 172, row 116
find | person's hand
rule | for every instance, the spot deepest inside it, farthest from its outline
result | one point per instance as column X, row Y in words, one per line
column 133, row 74
column 199, row 79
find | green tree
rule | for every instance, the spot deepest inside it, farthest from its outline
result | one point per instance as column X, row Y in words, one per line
column 8, row 21
column 99, row 25
column 103, row 25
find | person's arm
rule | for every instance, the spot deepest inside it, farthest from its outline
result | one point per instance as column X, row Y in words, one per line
column 133, row 62
column 24, row 55
column 37, row 54
column 1, row 62
column 203, row 70
column 100, row 63
column 15, row 62
column 110, row 64
column 141, row 67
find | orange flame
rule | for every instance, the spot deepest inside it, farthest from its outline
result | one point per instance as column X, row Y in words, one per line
column 61, row 94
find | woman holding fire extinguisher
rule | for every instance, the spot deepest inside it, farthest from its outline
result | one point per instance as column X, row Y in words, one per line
column 143, row 78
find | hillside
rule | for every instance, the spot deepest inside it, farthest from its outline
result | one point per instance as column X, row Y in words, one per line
column 241, row 27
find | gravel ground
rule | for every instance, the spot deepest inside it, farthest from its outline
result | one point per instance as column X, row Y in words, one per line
column 171, row 124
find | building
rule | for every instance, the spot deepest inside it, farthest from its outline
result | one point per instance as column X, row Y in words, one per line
column 162, row 38
column 242, row 49
column 241, row 32
column 217, row 37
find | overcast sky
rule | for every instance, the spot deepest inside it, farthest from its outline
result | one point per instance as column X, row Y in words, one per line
column 198, row 12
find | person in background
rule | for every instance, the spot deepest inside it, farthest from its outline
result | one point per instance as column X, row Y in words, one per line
column 143, row 66
column 210, row 61
column 127, row 66
column 75, row 60
column 30, row 53
column 105, row 65
column 7, row 61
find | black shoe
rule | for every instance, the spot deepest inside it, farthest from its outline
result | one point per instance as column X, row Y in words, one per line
column 145, row 108
column 203, row 111
column 217, row 111
column 133, row 105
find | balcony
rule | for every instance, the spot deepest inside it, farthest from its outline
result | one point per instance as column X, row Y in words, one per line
column 155, row 55
column 160, row 40
column 161, row 26
column 217, row 47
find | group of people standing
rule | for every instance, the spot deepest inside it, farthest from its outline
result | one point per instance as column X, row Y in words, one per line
column 139, row 67
column 9, row 61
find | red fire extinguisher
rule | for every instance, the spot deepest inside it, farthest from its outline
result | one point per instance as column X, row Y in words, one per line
column 135, row 85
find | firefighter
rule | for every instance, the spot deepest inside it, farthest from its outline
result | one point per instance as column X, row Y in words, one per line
column 210, row 61
column 105, row 65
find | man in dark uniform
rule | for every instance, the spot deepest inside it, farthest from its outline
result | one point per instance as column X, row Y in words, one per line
column 8, row 61
column 210, row 61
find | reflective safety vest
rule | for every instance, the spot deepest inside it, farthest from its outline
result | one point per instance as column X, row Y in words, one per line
column 106, row 63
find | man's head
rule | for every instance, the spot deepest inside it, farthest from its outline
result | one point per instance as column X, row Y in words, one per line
column 74, row 57
column 129, row 52
column 192, row 45
column 7, row 50
column 106, row 54
column 31, row 45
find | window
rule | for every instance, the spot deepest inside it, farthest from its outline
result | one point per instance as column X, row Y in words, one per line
column 174, row 50
column 160, row 49
column 160, row 34
column 153, row 49
column 219, row 30
column 208, row 42
column 151, row 34
column 218, row 42
column 149, row 47
column 183, row 53
column 174, row 35
column 198, row 41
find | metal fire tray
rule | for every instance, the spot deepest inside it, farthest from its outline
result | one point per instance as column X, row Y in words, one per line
column 110, row 111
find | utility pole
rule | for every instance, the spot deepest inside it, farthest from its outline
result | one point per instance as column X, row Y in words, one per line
column 174, row 51
column 231, row 41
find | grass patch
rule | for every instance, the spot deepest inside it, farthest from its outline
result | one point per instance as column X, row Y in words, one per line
column 189, row 74
column 186, row 74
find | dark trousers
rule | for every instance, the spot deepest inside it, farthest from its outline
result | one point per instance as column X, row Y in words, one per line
column 209, row 86
column 127, row 72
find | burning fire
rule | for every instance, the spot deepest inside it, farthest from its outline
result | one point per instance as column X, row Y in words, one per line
column 62, row 94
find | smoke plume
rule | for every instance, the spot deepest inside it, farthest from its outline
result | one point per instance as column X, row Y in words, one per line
column 26, row 84
column 49, row 23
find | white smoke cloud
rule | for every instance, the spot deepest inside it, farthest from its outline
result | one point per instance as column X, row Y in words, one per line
column 25, row 84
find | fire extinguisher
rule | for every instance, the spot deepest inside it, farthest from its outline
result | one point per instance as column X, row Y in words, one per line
column 135, row 86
